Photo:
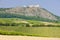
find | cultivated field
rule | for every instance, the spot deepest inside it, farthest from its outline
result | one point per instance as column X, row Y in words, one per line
column 15, row 26
column 30, row 31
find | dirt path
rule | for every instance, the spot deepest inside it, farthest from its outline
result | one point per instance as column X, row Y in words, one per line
column 2, row 37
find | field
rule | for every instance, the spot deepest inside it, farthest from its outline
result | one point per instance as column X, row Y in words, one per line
column 16, row 26
column 30, row 31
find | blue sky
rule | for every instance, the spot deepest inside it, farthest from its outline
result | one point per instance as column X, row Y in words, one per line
column 51, row 5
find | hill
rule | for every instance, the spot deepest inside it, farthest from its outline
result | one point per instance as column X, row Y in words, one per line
column 31, row 12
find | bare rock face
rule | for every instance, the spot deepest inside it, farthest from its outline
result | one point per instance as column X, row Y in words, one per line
column 32, row 10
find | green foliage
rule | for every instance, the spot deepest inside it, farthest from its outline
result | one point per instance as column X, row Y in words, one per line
column 18, row 22
column 3, row 9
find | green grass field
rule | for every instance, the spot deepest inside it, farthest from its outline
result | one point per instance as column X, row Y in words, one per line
column 30, row 31
column 15, row 26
